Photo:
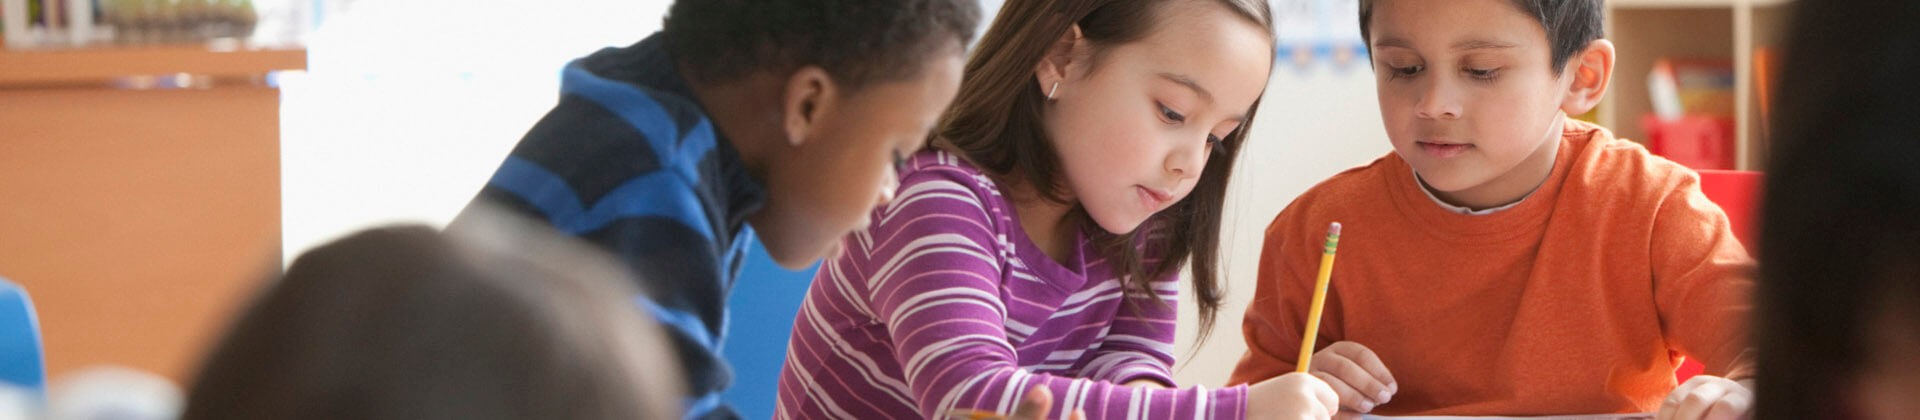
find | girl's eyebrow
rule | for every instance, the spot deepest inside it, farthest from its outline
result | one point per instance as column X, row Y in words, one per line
column 1183, row 80
column 1206, row 95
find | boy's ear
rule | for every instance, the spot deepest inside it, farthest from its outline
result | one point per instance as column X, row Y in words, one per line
column 1591, row 70
column 1062, row 56
column 810, row 94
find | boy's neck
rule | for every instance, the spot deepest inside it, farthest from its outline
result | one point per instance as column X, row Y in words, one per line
column 746, row 113
column 1516, row 184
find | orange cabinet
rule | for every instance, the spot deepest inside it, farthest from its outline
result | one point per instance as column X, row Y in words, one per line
column 139, row 217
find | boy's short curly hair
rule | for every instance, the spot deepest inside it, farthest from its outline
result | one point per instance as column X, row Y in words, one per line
column 856, row 41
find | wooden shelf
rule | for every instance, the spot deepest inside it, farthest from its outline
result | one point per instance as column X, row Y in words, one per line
column 102, row 66
column 1644, row 31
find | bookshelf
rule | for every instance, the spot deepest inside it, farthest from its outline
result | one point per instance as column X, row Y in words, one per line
column 1644, row 31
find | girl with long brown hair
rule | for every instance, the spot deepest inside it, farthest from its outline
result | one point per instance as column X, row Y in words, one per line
column 1039, row 242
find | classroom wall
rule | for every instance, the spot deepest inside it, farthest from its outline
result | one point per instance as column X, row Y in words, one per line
column 395, row 123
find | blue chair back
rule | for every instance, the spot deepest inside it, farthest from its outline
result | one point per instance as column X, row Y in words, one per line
column 21, row 361
column 760, row 315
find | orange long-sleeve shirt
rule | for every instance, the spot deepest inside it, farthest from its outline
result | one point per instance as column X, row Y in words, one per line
column 1580, row 299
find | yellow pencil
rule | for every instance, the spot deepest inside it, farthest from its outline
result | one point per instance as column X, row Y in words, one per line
column 964, row 414
column 1319, row 297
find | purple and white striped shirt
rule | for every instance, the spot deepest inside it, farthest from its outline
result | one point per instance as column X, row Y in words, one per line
column 944, row 305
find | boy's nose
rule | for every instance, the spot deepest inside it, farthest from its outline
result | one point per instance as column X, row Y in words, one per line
column 1441, row 101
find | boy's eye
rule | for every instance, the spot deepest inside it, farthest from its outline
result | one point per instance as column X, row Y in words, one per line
column 1482, row 74
column 899, row 162
column 1171, row 116
column 1396, row 71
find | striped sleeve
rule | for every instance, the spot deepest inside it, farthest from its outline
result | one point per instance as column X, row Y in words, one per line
column 1140, row 345
column 934, row 281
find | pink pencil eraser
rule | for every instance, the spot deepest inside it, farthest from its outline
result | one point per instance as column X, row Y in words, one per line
column 1334, row 230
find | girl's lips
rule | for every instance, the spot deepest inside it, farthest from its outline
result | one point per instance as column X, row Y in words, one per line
column 1153, row 198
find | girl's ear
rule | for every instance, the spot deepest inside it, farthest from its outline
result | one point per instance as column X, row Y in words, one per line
column 1063, row 57
column 809, row 94
column 1591, row 70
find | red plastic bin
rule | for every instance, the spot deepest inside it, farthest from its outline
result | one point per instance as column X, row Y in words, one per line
column 1699, row 142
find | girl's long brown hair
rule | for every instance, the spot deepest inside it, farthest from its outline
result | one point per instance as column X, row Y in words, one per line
column 995, row 122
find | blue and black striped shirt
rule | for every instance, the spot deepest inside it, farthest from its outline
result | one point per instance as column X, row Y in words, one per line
column 629, row 161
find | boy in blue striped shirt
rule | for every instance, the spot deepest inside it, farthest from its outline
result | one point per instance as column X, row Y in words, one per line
column 780, row 120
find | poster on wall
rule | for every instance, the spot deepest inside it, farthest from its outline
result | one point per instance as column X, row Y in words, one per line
column 1314, row 33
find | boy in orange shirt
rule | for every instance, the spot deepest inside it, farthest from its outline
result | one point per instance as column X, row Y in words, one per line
column 1505, row 259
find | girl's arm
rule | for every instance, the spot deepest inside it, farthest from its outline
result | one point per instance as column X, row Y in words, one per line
column 934, row 280
column 1139, row 346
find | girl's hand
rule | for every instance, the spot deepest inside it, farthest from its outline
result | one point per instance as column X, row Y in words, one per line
column 1356, row 374
column 1291, row 396
column 1707, row 397
column 1149, row 383
column 1036, row 404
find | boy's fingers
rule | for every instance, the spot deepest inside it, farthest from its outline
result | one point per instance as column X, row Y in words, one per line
column 1078, row 415
column 1670, row 407
column 1368, row 360
column 1359, row 379
column 1694, row 404
column 1034, row 405
column 1350, row 398
column 1732, row 406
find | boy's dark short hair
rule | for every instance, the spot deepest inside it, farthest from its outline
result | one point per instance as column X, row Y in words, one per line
column 855, row 41
column 1570, row 24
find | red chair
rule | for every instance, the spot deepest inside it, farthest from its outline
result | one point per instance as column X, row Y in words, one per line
column 1737, row 193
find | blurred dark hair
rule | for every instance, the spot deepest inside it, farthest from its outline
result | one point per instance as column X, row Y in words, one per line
column 407, row 323
column 1840, row 220
column 856, row 41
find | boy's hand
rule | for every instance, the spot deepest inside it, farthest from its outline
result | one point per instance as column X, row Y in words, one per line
column 1356, row 374
column 1291, row 396
column 1707, row 397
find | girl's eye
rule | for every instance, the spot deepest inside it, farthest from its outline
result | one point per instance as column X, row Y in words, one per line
column 899, row 162
column 1213, row 140
column 1171, row 116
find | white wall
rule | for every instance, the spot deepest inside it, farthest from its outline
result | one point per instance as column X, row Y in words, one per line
column 409, row 105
